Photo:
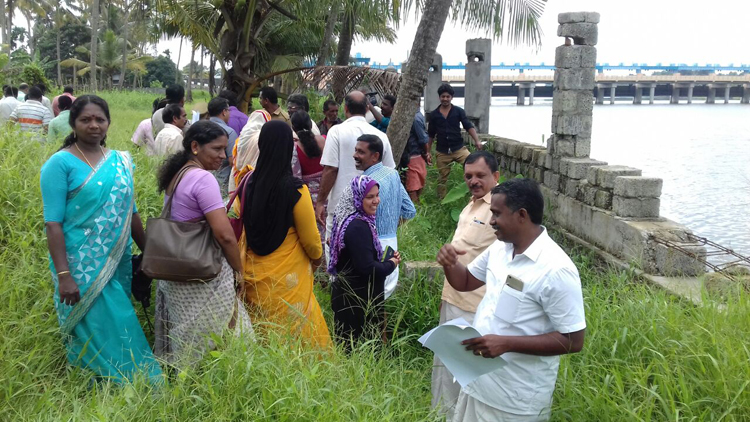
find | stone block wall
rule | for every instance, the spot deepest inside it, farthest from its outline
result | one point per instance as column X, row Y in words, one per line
column 611, row 206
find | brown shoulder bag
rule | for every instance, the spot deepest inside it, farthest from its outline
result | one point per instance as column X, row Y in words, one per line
column 183, row 251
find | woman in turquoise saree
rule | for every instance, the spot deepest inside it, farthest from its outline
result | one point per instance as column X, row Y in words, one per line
column 90, row 216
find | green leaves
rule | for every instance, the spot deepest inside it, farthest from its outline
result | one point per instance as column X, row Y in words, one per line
column 458, row 192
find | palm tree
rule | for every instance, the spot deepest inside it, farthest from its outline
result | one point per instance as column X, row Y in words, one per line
column 517, row 21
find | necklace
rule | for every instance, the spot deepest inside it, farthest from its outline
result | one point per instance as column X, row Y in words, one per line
column 84, row 155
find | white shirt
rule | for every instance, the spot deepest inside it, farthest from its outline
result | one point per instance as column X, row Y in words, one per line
column 7, row 105
column 169, row 140
column 371, row 117
column 550, row 300
column 339, row 152
column 47, row 103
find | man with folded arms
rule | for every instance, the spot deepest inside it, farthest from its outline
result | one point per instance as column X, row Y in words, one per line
column 531, row 313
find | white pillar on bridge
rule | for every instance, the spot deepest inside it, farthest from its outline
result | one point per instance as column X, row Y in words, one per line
column 531, row 94
column 745, row 94
column 711, row 97
column 600, row 94
column 675, row 94
column 612, row 94
column 690, row 93
column 726, row 94
column 521, row 95
column 651, row 94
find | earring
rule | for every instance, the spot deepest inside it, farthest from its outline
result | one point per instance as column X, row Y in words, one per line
column 195, row 152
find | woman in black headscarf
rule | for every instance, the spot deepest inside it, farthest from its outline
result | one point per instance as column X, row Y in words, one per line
column 281, row 241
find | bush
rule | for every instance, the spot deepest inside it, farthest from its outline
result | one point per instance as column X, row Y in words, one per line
column 33, row 74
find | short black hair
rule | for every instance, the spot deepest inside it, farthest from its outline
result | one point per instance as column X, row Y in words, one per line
column 68, row 89
column 23, row 86
column 356, row 108
column 374, row 144
column 15, row 91
column 327, row 105
column 42, row 87
column 8, row 91
column 170, row 112
column 217, row 105
column 64, row 102
column 175, row 94
column 391, row 99
column 446, row 88
column 300, row 100
column 229, row 96
column 34, row 93
column 270, row 94
column 523, row 193
column 489, row 159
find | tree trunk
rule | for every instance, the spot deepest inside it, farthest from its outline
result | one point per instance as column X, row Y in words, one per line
column 333, row 17
column 191, row 70
column 200, row 78
column 211, row 77
column 125, row 47
column 75, row 77
column 94, row 42
column 57, row 41
column 414, row 78
column 3, row 23
column 345, row 40
column 31, row 38
column 9, row 24
column 342, row 54
column 179, row 56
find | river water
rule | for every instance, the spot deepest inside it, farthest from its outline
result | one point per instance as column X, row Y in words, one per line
column 701, row 151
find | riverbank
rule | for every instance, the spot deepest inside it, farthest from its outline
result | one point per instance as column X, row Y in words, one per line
column 648, row 355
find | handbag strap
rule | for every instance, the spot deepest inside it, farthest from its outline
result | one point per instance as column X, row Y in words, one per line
column 167, row 211
column 240, row 189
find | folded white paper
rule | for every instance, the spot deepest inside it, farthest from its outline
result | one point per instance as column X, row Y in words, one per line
column 445, row 341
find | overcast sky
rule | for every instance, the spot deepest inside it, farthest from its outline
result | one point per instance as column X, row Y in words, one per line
column 630, row 31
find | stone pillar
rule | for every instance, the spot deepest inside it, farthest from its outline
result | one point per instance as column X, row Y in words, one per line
column 745, row 94
column 711, row 98
column 612, row 93
column 478, row 88
column 675, row 94
column 531, row 94
column 690, row 93
column 651, row 94
column 726, row 94
column 520, row 100
column 638, row 98
column 600, row 94
column 434, row 80
column 572, row 98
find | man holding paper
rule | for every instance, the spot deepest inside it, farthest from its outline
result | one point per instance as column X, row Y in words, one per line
column 473, row 235
column 531, row 313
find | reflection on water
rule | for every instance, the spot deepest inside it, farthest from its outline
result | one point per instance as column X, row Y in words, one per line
column 701, row 151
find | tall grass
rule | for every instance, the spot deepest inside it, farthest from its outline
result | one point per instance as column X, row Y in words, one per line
column 648, row 355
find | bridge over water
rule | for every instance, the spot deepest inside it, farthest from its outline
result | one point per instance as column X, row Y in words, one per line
column 677, row 87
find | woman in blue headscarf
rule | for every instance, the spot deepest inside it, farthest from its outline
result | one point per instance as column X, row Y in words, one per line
column 357, row 261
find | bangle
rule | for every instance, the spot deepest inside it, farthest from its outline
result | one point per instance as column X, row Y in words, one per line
column 63, row 273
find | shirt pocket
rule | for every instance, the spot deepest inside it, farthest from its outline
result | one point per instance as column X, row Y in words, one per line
column 509, row 304
column 475, row 233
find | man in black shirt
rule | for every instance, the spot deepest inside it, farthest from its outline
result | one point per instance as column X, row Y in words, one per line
column 445, row 123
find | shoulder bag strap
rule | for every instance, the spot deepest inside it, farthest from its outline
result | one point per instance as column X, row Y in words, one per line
column 167, row 211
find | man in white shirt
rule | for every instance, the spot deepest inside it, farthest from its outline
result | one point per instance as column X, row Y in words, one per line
column 169, row 140
column 23, row 89
column 175, row 95
column 338, row 159
column 531, row 313
column 7, row 104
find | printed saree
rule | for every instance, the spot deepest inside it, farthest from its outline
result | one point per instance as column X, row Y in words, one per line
column 101, row 332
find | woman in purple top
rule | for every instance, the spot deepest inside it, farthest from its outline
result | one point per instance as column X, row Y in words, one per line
column 188, row 313
column 237, row 119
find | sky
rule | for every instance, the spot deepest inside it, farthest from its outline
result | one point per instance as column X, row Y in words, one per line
column 630, row 31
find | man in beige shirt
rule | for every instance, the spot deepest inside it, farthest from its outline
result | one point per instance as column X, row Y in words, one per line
column 269, row 100
column 473, row 235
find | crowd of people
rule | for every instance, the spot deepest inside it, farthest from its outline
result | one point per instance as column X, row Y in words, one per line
column 284, row 196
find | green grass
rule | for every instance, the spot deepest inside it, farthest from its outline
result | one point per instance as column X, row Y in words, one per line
column 648, row 356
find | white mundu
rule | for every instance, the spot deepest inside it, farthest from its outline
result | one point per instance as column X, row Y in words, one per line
column 543, row 294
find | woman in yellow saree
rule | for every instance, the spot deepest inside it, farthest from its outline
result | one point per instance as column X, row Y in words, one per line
column 280, row 242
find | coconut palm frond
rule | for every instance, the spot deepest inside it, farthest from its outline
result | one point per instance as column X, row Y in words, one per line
column 514, row 21
column 350, row 78
column 73, row 62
